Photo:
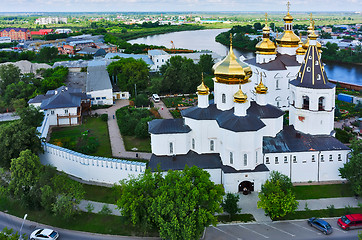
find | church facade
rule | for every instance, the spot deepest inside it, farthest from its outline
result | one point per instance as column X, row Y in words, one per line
column 239, row 137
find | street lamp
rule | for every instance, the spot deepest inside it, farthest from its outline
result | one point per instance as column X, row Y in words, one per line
column 20, row 237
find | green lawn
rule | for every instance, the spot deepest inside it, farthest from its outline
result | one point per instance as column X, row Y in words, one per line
column 323, row 191
column 321, row 213
column 96, row 127
column 143, row 145
column 87, row 222
column 99, row 194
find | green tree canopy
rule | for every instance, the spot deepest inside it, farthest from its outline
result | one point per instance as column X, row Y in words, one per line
column 230, row 204
column 352, row 170
column 25, row 171
column 128, row 72
column 276, row 196
column 30, row 116
column 9, row 73
column 180, row 204
column 206, row 62
column 180, row 75
column 47, row 54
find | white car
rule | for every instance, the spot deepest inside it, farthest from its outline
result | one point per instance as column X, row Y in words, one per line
column 43, row 234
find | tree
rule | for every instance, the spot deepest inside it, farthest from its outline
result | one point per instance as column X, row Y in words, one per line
column 180, row 204
column 47, row 54
column 30, row 116
column 276, row 196
column 25, row 171
column 258, row 26
column 9, row 73
column 353, row 168
column 230, row 204
column 10, row 234
column 206, row 62
column 16, row 137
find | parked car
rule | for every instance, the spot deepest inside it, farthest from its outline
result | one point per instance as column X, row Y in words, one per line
column 155, row 98
column 350, row 221
column 321, row 225
column 44, row 234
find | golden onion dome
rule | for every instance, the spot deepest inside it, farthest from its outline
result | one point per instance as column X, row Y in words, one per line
column 231, row 70
column 261, row 88
column 288, row 17
column 266, row 46
column 300, row 51
column 240, row 97
column 288, row 39
column 202, row 89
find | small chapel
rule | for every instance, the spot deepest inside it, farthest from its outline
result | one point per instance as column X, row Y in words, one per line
column 239, row 136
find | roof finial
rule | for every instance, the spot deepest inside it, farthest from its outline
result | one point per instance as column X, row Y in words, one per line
column 202, row 77
column 266, row 19
column 288, row 6
column 261, row 77
column 231, row 40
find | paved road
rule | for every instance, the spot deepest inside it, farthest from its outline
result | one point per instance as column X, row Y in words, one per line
column 8, row 117
column 283, row 230
column 162, row 109
column 29, row 226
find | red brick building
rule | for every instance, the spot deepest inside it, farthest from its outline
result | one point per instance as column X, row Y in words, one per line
column 16, row 34
column 42, row 32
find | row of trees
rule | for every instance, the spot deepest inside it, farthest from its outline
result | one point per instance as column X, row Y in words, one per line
column 332, row 53
column 16, row 88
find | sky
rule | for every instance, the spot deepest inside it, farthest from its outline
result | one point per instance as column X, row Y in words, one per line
column 176, row 5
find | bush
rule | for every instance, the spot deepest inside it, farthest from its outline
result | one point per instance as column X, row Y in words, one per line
column 105, row 210
column 141, row 100
column 104, row 117
column 89, row 207
column 141, row 130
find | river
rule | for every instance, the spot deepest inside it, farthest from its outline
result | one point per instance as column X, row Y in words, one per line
column 205, row 40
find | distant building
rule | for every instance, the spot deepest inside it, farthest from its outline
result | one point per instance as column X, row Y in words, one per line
column 5, row 40
column 95, row 52
column 63, row 30
column 51, row 20
column 16, row 34
column 327, row 29
column 42, row 32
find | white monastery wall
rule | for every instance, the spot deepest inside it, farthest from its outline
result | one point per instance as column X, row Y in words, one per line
column 102, row 97
column 231, row 181
column 90, row 168
column 161, row 144
column 273, row 126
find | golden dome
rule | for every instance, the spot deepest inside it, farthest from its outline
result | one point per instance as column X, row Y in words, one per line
column 202, row 89
column 306, row 44
column 288, row 39
column 240, row 97
column 261, row 88
column 266, row 46
column 231, row 70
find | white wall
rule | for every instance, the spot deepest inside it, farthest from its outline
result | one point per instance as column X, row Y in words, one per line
column 160, row 144
column 107, row 94
column 273, row 126
column 231, row 181
column 52, row 116
column 90, row 168
column 121, row 95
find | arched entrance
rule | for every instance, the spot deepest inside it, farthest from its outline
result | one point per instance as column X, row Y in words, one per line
column 246, row 187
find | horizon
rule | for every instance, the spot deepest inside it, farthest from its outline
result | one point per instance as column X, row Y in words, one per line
column 176, row 6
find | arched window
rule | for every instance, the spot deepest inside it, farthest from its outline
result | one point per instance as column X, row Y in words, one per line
column 223, row 98
column 305, row 102
column 245, row 159
column 212, row 145
column 277, row 84
column 171, row 147
column 193, row 143
column 321, row 103
column 231, row 158
column 293, row 98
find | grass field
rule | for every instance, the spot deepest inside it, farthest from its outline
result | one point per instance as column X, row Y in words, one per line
column 97, row 128
column 323, row 191
column 87, row 222
column 142, row 145
column 99, row 194
column 321, row 213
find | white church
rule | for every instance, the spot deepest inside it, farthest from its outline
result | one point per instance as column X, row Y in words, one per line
column 239, row 137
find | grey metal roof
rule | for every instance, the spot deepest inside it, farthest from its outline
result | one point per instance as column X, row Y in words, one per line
column 267, row 111
column 290, row 140
column 178, row 162
column 166, row 126
column 61, row 100
column 279, row 63
column 259, row 168
column 72, row 64
column 97, row 78
column 311, row 73
column 225, row 119
column 39, row 98
column 135, row 56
